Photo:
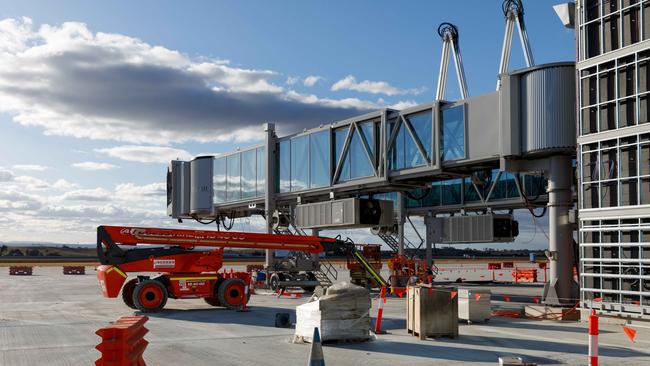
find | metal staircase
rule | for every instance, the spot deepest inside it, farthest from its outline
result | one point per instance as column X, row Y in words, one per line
column 327, row 273
column 393, row 242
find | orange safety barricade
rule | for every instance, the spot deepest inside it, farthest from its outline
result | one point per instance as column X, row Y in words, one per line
column 494, row 265
column 123, row 342
column 527, row 275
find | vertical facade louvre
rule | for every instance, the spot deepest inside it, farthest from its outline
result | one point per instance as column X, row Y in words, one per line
column 614, row 155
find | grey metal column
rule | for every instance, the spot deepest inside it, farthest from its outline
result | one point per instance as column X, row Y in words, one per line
column 428, row 239
column 560, row 288
column 400, row 222
column 269, row 199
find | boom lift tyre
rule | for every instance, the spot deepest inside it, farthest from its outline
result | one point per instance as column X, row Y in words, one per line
column 127, row 293
column 214, row 300
column 150, row 296
column 231, row 293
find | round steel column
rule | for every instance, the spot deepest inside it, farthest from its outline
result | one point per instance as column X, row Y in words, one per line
column 560, row 286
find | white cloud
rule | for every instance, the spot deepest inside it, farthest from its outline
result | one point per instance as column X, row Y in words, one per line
column 311, row 80
column 96, row 194
column 403, row 104
column 6, row 175
column 291, row 80
column 374, row 87
column 146, row 154
column 131, row 190
column 93, row 165
column 14, row 200
column 30, row 167
column 31, row 183
column 121, row 88
column 64, row 185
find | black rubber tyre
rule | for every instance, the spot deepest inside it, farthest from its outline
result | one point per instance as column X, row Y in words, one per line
column 127, row 293
column 214, row 301
column 150, row 296
column 231, row 293
column 274, row 281
column 311, row 277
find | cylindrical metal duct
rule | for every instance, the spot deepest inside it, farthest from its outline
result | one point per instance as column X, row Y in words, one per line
column 548, row 117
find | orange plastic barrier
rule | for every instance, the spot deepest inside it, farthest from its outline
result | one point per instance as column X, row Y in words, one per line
column 494, row 265
column 74, row 270
column 20, row 271
column 526, row 275
column 123, row 342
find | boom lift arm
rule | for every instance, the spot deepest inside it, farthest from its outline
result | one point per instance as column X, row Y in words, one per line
column 187, row 272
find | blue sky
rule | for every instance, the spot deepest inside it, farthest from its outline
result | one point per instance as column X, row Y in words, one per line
column 95, row 97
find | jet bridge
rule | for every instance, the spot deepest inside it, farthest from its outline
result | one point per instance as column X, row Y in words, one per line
column 504, row 150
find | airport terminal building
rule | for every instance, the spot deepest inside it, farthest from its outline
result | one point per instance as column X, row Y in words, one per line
column 614, row 155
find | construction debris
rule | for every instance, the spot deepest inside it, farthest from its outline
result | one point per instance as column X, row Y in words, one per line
column 341, row 315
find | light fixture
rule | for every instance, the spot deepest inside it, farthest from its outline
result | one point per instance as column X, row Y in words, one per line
column 567, row 13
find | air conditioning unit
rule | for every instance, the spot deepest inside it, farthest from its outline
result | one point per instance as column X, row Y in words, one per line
column 178, row 189
column 344, row 213
column 488, row 228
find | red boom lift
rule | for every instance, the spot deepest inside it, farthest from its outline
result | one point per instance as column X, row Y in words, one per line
column 184, row 272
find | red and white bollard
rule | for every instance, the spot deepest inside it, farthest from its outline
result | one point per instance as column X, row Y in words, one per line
column 245, row 307
column 380, row 310
column 593, row 339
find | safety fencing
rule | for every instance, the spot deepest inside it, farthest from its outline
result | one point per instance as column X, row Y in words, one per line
column 506, row 272
column 123, row 342
column 21, row 271
column 74, row 270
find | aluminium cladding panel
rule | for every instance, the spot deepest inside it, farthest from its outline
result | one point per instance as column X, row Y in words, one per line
column 201, row 188
column 178, row 189
column 482, row 126
column 548, row 109
column 509, row 104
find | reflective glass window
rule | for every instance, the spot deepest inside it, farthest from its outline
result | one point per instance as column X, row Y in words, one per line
column 368, row 130
column 422, row 126
column 299, row 163
column 396, row 154
column 284, row 166
column 261, row 171
column 452, row 133
column 339, row 140
column 360, row 165
column 248, row 172
column 234, row 177
column 319, row 159
column 219, row 180
column 451, row 189
column 471, row 194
